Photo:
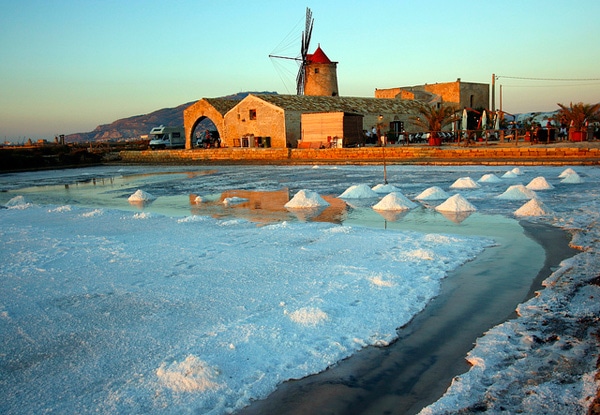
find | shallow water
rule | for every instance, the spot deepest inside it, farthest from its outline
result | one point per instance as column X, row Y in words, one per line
column 490, row 286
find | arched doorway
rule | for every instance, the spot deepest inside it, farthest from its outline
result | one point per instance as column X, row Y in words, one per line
column 205, row 134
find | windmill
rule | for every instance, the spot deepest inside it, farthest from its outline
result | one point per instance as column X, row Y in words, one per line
column 303, row 58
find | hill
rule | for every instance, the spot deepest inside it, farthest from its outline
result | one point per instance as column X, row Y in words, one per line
column 136, row 126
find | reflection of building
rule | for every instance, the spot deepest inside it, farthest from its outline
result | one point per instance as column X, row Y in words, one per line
column 265, row 207
column 459, row 93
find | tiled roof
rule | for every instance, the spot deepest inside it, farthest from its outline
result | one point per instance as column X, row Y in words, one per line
column 318, row 57
column 221, row 104
column 357, row 105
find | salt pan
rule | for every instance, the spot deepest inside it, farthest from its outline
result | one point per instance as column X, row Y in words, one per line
column 360, row 191
column 306, row 199
column 395, row 201
column 456, row 203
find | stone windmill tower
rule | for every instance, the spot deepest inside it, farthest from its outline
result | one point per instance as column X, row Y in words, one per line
column 317, row 75
column 320, row 75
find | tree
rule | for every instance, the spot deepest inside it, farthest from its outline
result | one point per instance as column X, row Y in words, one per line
column 577, row 115
column 433, row 118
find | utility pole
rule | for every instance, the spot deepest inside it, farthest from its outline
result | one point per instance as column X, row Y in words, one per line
column 493, row 92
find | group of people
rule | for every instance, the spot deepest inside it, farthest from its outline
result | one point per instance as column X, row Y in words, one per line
column 207, row 140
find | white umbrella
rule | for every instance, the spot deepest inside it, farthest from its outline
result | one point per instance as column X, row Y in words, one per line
column 484, row 121
column 464, row 119
column 497, row 121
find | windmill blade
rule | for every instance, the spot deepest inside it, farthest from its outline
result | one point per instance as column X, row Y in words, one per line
column 300, row 79
column 306, row 35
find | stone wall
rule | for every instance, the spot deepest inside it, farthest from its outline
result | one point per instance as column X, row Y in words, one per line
column 490, row 155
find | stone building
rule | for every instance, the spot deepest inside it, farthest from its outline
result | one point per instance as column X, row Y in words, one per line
column 459, row 93
column 320, row 75
column 275, row 120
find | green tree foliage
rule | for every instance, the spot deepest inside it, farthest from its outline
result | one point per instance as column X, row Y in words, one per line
column 433, row 118
column 578, row 114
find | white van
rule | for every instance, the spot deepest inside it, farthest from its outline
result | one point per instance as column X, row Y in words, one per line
column 167, row 137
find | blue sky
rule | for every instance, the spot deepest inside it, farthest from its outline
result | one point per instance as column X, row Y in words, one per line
column 67, row 66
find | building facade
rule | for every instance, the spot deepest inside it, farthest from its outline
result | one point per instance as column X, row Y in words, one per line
column 458, row 93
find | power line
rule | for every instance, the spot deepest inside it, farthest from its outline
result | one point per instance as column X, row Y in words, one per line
column 549, row 79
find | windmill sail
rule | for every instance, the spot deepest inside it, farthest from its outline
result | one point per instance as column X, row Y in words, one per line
column 306, row 35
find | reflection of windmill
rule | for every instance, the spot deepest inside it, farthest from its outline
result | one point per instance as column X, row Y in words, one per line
column 317, row 75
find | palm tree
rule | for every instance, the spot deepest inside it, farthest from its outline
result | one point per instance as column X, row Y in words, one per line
column 433, row 118
column 577, row 115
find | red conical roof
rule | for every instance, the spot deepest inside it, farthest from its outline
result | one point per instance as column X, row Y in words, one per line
column 318, row 57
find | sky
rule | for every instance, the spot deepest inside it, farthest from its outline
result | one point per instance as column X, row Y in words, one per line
column 68, row 66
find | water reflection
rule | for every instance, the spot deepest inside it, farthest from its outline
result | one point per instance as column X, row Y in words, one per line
column 456, row 217
column 265, row 207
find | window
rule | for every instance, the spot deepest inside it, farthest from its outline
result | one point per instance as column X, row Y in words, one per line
column 316, row 70
column 252, row 114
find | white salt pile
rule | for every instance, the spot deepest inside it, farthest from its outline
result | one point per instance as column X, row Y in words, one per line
column 385, row 188
column 517, row 171
column 509, row 175
column 456, row 203
column 533, row 208
column 432, row 193
column 17, row 202
column 539, row 183
column 517, row 192
column 566, row 172
column 360, row 191
column 141, row 196
column 395, row 201
column 572, row 178
column 464, row 183
column 489, row 178
column 306, row 199
column 234, row 200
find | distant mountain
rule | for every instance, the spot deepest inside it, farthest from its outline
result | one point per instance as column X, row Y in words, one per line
column 136, row 126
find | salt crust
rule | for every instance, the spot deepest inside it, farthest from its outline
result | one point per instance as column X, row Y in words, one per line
column 191, row 375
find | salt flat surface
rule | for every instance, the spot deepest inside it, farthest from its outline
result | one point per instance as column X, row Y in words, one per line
column 113, row 307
